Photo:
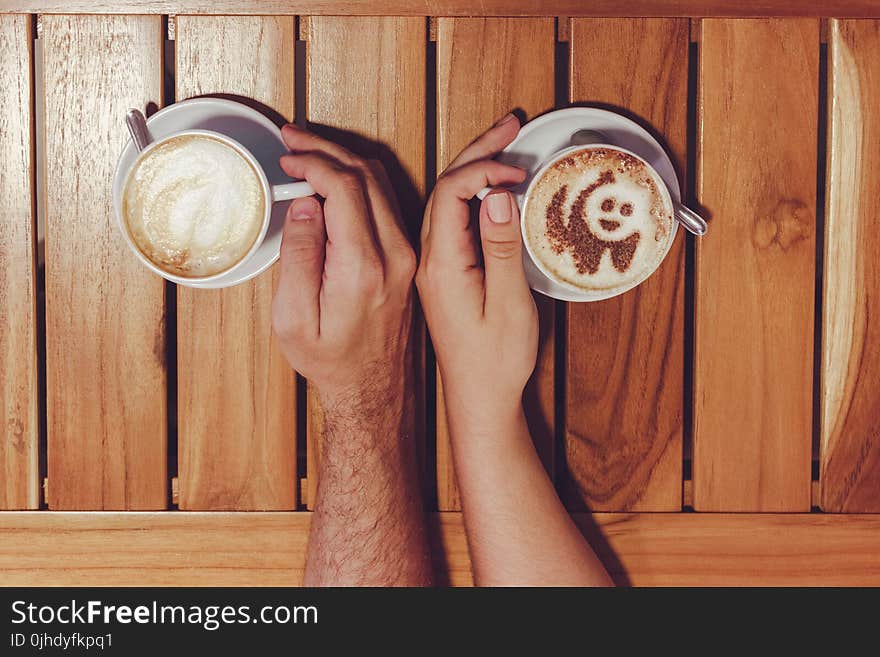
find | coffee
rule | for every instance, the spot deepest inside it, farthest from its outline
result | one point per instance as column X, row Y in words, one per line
column 194, row 205
column 598, row 219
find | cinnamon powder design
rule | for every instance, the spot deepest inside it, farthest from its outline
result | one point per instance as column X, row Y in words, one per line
column 586, row 247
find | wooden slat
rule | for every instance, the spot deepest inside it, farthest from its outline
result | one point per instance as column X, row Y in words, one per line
column 473, row 91
column 19, row 470
column 850, row 402
column 237, row 409
column 756, row 177
column 624, row 380
column 598, row 8
column 366, row 90
column 105, row 336
column 269, row 549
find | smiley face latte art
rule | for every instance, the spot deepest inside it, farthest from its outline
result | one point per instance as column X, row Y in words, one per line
column 599, row 220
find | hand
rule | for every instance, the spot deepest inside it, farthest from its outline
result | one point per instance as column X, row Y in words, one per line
column 342, row 308
column 482, row 319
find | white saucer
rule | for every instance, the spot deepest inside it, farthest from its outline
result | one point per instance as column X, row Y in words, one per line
column 539, row 139
column 255, row 132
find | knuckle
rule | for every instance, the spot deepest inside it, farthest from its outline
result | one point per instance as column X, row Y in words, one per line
column 442, row 184
column 303, row 246
column 372, row 276
column 283, row 323
column 376, row 170
column 427, row 274
column 501, row 249
column 522, row 312
column 350, row 180
column 359, row 164
column 420, row 276
column 365, row 166
column 408, row 264
column 366, row 174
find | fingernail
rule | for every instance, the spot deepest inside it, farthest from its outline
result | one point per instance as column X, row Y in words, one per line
column 499, row 208
column 302, row 211
column 507, row 118
column 290, row 126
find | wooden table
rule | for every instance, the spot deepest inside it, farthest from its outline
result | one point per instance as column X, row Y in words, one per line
column 722, row 419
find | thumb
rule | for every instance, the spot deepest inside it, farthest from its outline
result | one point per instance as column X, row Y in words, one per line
column 295, row 309
column 502, row 248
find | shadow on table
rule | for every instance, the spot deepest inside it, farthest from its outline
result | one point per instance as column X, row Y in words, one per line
column 450, row 567
column 592, row 531
column 404, row 187
column 406, row 190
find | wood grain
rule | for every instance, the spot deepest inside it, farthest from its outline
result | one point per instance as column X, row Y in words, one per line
column 237, row 409
column 366, row 90
column 471, row 97
column 268, row 549
column 756, row 177
column 19, row 469
column 850, row 403
column 597, row 8
column 105, row 335
column 624, row 379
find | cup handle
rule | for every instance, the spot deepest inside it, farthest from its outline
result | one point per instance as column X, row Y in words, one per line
column 692, row 222
column 288, row 191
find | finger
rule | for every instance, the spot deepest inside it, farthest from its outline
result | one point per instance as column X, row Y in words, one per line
column 483, row 147
column 381, row 199
column 490, row 142
column 449, row 236
column 502, row 250
column 464, row 182
column 300, row 139
column 348, row 224
column 383, row 202
column 390, row 229
column 295, row 307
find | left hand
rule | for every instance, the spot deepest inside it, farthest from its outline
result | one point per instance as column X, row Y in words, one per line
column 482, row 319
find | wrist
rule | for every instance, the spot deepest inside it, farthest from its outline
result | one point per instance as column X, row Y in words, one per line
column 498, row 422
column 358, row 389
column 371, row 412
column 363, row 403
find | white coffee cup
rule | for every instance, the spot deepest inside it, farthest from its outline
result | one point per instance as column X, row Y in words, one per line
column 597, row 295
column 271, row 194
column 593, row 139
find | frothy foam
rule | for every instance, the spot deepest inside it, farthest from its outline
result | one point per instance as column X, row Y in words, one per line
column 598, row 220
column 194, row 206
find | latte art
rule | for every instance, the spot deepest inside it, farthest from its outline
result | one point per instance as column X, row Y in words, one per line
column 194, row 206
column 598, row 219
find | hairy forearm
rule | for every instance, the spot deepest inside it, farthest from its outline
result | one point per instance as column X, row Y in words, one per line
column 368, row 526
column 518, row 531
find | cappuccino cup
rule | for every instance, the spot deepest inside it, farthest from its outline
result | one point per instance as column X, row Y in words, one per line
column 196, row 205
column 597, row 219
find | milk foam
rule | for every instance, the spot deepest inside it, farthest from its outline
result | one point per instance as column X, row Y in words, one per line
column 194, row 206
column 598, row 220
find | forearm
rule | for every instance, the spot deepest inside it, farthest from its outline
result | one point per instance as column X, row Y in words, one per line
column 368, row 524
column 518, row 531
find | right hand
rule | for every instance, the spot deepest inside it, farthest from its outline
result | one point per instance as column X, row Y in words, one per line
column 342, row 308
column 482, row 319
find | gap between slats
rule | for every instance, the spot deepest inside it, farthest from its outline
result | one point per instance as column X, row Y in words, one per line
column 20, row 316
column 169, row 90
